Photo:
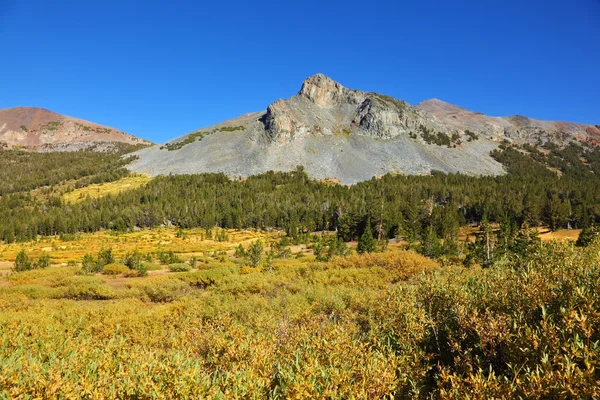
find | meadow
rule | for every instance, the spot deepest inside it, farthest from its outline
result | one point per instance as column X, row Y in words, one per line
column 392, row 324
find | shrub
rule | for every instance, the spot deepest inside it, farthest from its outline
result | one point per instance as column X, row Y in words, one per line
column 179, row 267
column 22, row 262
column 248, row 270
column 42, row 262
column 152, row 267
column 169, row 257
column 115, row 269
column 163, row 290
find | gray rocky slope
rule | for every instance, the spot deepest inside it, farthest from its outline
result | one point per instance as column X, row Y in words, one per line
column 334, row 133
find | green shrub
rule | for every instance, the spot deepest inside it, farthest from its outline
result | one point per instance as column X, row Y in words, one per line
column 115, row 269
column 169, row 257
column 42, row 262
column 179, row 267
column 22, row 262
column 152, row 267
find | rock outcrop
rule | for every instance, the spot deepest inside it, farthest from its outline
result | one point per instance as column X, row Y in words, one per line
column 323, row 106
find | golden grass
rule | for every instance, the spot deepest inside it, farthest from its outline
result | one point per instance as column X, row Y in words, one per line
column 545, row 234
column 104, row 189
column 564, row 234
column 193, row 243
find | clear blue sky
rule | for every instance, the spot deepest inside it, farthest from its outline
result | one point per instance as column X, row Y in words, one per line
column 159, row 69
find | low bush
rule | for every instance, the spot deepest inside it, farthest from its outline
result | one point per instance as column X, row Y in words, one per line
column 115, row 269
column 179, row 267
column 152, row 267
column 163, row 290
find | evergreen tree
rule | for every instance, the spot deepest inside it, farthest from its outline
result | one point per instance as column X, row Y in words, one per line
column 22, row 262
column 89, row 264
column 430, row 243
column 366, row 243
column 587, row 236
column 105, row 257
column 254, row 254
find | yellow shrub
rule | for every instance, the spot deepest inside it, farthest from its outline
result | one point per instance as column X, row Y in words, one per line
column 249, row 270
column 404, row 264
column 115, row 269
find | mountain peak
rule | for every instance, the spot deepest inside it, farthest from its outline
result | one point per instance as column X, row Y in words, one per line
column 322, row 90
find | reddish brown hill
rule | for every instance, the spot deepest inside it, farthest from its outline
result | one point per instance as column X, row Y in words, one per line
column 39, row 129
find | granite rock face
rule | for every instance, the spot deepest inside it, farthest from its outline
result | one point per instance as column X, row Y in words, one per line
column 349, row 136
column 323, row 106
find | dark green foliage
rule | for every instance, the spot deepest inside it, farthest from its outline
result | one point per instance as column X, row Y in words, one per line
column 366, row 243
column 254, row 254
column 439, row 138
column 22, row 262
column 337, row 248
column 21, row 171
column 587, row 236
column 169, row 257
column 222, row 236
column 240, row 252
column 280, row 248
column 430, row 243
column 198, row 136
column 23, row 128
column 89, row 264
column 471, row 136
column 42, row 262
column 134, row 261
column 105, row 257
column 403, row 205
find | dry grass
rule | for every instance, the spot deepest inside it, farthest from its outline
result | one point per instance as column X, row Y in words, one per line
column 560, row 235
column 545, row 234
column 193, row 243
column 104, row 189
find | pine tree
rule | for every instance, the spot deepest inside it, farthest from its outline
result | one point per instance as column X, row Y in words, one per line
column 366, row 243
column 22, row 262
column 587, row 236
column 254, row 253
column 430, row 243
column 88, row 264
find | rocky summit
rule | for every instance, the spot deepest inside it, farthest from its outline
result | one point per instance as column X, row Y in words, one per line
column 349, row 136
column 39, row 129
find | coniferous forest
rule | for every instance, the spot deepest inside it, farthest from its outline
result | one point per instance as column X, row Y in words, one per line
column 556, row 188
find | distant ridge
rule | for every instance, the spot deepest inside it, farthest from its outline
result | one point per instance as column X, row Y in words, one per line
column 39, row 129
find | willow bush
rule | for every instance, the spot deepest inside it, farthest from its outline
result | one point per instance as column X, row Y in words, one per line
column 392, row 325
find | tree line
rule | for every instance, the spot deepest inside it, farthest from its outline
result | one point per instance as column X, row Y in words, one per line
column 558, row 188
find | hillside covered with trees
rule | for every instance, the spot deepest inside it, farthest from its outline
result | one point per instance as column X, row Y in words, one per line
column 558, row 188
